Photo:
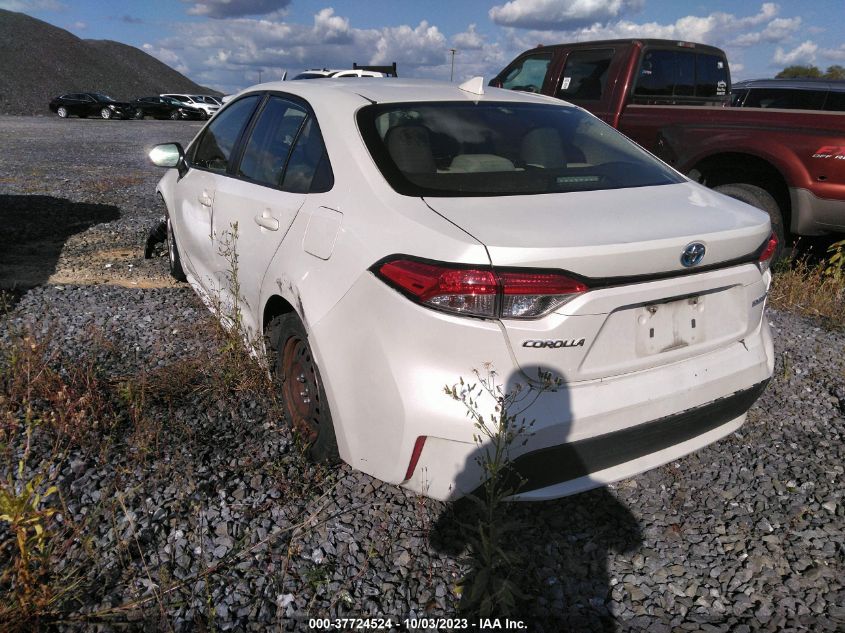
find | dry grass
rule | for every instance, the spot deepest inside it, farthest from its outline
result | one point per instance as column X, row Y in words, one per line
column 814, row 290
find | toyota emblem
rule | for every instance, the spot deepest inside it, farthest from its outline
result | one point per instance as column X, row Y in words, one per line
column 693, row 254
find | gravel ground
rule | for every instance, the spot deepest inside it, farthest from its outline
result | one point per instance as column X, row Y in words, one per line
column 202, row 514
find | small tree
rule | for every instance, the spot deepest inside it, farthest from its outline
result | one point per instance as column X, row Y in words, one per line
column 835, row 72
column 795, row 72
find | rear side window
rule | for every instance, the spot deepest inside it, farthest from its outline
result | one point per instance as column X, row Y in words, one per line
column 585, row 75
column 835, row 102
column 214, row 150
column 672, row 73
column 737, row 97
column 785, row 98
column 308, row 169
column 270, row 142
column 528, row 73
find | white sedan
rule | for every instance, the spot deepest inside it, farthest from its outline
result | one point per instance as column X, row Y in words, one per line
column 393, row 236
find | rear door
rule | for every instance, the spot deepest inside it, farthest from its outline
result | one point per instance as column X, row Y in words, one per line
column 589, row 79
column 283, row 160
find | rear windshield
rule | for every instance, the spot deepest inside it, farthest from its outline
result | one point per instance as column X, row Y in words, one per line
column 482, row 149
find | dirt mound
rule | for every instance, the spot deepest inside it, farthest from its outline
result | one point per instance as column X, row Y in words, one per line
column 39, row 61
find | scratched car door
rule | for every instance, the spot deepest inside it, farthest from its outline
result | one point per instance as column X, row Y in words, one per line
column 273, row 179
column 209, row 160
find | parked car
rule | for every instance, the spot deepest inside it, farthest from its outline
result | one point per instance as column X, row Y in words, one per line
column 85, row 104
column 670, row 97
column 393, row 235
column 325, row 73
column 165, row 108
column 208, row 99
column 208, row 109
column 790, row 94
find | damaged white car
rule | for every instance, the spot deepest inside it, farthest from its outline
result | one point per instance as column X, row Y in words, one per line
column 392, row 236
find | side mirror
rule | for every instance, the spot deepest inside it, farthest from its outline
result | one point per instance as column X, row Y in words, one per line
column 167, row 155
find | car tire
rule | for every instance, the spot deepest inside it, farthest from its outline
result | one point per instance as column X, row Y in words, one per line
column 174, row 116
column 62, row 112
column 138, row 115
column 173, row 258
column 763, row 200
column 105, row 113
column 295, row 371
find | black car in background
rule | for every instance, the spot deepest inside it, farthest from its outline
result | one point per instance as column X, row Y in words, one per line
column 164, row 108
column 85, row 104
column 790, row 94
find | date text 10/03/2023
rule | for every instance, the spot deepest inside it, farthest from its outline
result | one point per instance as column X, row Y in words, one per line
column 412, row 624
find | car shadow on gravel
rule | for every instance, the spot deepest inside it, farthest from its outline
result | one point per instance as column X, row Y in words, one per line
column 557, row 551
column 35, row 228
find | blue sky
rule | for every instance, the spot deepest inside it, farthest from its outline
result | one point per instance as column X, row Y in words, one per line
column 224, row 43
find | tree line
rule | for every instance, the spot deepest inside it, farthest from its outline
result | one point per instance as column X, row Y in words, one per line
column 794, row 72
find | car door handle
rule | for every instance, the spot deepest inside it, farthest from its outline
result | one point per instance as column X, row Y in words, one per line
column 204, row 199
column 267, row 221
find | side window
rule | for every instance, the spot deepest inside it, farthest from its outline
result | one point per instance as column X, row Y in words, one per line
column 684, row 74
column 657, row 74
column 218, row 140
column 528, row 73
column 585, row 75
column 835, row 101
column 670, row 73
column 785, row 98
column 269, row 144
column 711, row 76
column 737, row 96
column 308, row 169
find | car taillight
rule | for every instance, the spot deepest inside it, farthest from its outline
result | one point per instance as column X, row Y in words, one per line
column 528, row 294
column 480, row 291
column 769, row 248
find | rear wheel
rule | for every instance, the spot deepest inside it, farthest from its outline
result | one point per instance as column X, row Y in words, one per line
column 106, row 113
column 304, row 399
column 763, row 200
column 173, row 255
column 174, row 116
column 62, row 112
column 138, row 114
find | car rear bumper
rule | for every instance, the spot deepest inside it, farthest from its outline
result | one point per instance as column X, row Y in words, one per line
column 385, row 388
column 556, row 470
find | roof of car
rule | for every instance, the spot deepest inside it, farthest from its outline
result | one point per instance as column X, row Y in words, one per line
column 803, row 83
column 377, row 90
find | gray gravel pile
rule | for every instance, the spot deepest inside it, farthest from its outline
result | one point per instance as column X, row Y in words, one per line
column 203, row 512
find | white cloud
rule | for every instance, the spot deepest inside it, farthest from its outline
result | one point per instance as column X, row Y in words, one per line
column 469, row 39
column 79, row 25
column 560, row 14
column 28, row 6
column 804, row 53
column 423, row 45
column 717, row 29
column 331, row 28
column 234, row 8
column 834, row 54
column 777, row 30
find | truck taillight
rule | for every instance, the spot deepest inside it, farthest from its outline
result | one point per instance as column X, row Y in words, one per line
column 768, row 250
column 480, row 291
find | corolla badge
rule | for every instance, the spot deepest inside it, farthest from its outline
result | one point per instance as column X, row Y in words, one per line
column 693, row 254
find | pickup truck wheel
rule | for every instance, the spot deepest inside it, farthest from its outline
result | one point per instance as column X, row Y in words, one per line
column 294, row 369
column 763, row 200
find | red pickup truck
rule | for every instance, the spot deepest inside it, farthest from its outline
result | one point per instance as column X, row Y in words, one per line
column 671, row 98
